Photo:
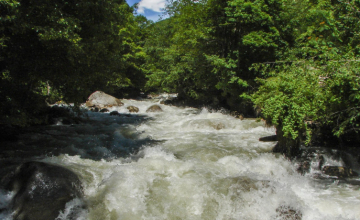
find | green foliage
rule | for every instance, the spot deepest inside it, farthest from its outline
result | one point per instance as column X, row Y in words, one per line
column 320, row 82
column 299, row 59
column 298, row 94
column 343, row 86
column 204, row 50
column 72, row 47
column 291, row 98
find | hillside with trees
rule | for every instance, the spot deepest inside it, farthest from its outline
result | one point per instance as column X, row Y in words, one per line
column 297, row 61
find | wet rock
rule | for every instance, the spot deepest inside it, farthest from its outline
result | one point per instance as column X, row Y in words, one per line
column 101, row 99
column 56, row 112
column 42, row 190
column 154, row 108
column 268, row 138
column 94, row 109
column 286, row 146
column 341, row 172
column 304, row 167
column 236, row 114
column 104, row 110
column 321, row 161
column 288, row 213
column 173, row 101
column 133, row 109
column 61, row 115
column 114, row 113
column 218, row 126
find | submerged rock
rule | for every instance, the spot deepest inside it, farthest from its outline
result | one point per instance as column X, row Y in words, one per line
column 42, row 190
column 218, row 126
column 101, row 99
column 288, row 213
column 133, row 109
column 154, row 108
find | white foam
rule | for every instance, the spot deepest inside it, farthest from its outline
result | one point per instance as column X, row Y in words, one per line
column 198, row 171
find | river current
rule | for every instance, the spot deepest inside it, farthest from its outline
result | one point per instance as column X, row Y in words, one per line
column 186, row 163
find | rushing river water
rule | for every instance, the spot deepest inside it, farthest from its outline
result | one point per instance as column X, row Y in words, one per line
column 186, row 163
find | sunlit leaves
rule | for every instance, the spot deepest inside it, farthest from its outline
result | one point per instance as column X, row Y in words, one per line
column 210, row 45
column 291, row 98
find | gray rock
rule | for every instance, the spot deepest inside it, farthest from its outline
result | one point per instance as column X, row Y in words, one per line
column 101, row 99
column 42, row 190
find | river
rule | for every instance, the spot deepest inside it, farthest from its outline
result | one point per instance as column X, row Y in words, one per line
column 185, row 163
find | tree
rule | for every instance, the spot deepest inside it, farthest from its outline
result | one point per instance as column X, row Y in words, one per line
column 75, row 47
column 212, row 45
column 319, row 81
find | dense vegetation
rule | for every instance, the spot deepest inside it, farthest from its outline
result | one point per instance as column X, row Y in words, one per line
column 204, row 51
column 66, row 49
column 297, row 61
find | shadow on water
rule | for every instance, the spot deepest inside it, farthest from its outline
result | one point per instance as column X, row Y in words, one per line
column 98, row 137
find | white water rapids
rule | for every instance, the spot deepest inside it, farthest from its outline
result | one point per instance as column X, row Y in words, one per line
column 190, row 164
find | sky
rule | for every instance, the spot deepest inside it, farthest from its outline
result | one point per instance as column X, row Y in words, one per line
column 151, row 9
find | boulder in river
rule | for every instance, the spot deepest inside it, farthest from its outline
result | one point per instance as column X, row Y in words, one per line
column 42, row 190
column 101, row 99
column 268, row 138
column 133, row 109
column 341, row 172
column 114, row 113
column 154, row 108
column 104, row 110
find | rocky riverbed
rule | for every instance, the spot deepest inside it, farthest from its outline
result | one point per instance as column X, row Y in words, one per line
column 170, row 163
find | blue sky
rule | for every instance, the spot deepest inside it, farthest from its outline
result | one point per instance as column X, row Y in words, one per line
column 151, row 9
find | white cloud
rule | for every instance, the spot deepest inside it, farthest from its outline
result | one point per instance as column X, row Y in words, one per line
column 154, row 17
column 154, row 5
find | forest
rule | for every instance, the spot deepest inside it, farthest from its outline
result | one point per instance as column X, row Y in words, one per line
column 296, row 64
